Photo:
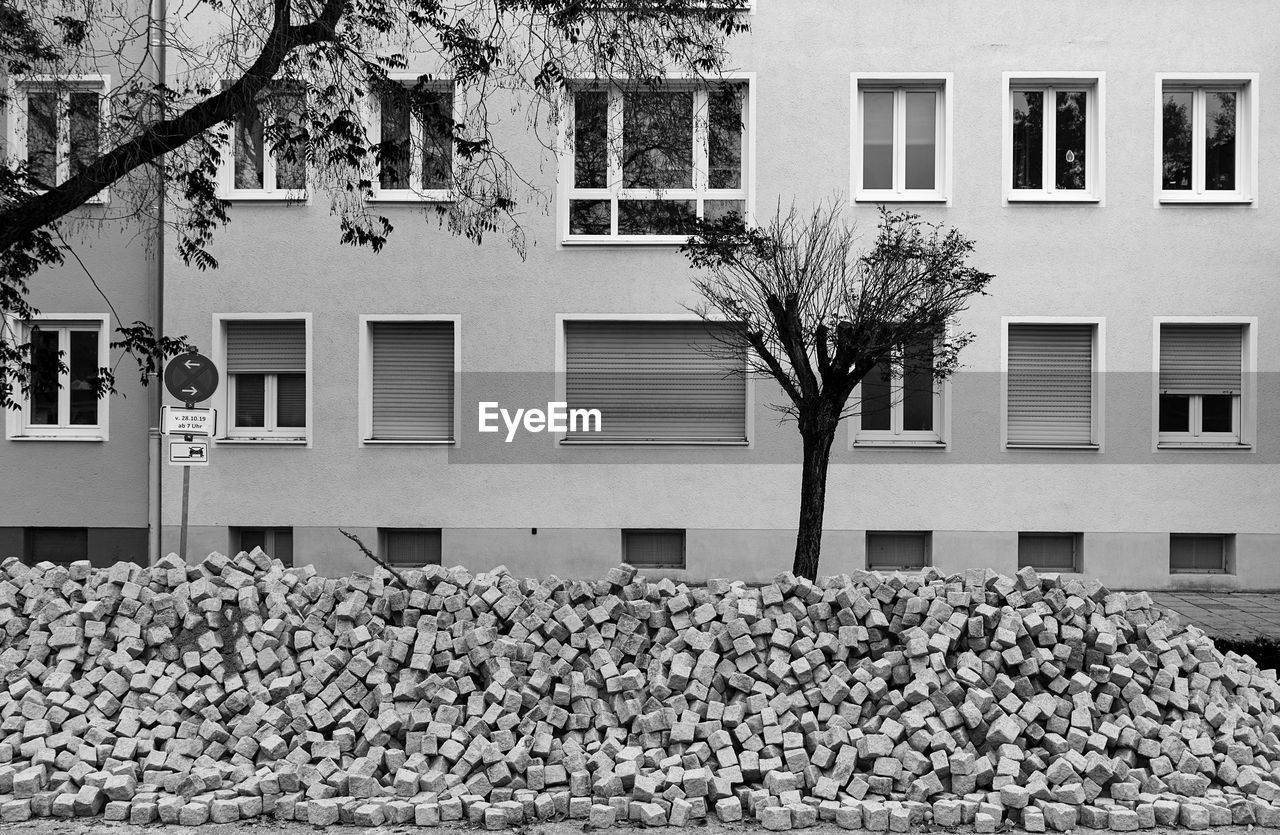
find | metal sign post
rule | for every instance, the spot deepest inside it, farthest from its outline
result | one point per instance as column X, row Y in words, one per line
column 191, row 378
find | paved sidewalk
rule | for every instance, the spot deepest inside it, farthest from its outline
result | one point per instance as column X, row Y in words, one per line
column 1239, row 615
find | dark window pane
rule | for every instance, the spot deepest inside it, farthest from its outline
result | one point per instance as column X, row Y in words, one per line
column 1216, row 413
column 45, row 364
column 656, row 217
column 248, row 152
column 657, row 140
column 1175, row 413
column 251, row 538
column 897, row 550
column 1070, row 147
column 1197, row 552
column 590, row 139
column 724, row 137
column 250, row 404
column 917, row 389
column 56, row 545
column 84, row 378
column 589, row 217
column 653, row 549
column 1028, row 140
column 877, row 140
column 876, row 400
column 1220, row 142
column 713, row 210
column 84, row 130
column 412, row 548
column 42, row 136
column 1176, row 135
column 282, row 545
column 287, row 144
column 437, row 139
column 922, row 138
column 291, row 400
column 393, row 165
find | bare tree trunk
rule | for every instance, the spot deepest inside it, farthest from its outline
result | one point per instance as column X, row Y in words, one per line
column 813, row 501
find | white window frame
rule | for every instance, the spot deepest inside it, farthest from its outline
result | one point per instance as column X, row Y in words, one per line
column 1244, row 410
column 268, row 192
column 16, row 133
column 1098, row 392
column 1246, row 85
column 1095, row 138
column 415, row 193
column 365, row 385
column 562, row 365
column 614, row 191
column 224, row 397
column 17, row 421
column 895, row 436
column 899, row 84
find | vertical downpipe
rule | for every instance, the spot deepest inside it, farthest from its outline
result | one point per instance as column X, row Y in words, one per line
column 157, row 45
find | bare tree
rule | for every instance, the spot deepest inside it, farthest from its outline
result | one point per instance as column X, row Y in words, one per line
column 818, row 317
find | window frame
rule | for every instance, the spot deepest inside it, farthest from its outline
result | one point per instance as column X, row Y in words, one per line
column 566, row 191
column 1095, row 137
column 385, row 533
column 16, row 133
column 224, row 398
column 1246, row 85
column 895, row 437
column 1098, row 391
column 899, row 84
column 1245, row 408
column 1228, row 554
column 561, row 375
column 268, row 193
column 373, row 126
column 365, row 384
column 926, row 536
column 684, row 549
column 17, row 421
column 269, row 533
column 1077, row 550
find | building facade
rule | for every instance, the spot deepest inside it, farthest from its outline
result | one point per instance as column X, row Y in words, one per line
column 1115, row 414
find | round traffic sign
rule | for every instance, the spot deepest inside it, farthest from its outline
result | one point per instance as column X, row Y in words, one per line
column 191, row 377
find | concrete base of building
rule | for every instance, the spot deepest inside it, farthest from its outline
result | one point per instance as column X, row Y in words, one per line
column 1121, row 560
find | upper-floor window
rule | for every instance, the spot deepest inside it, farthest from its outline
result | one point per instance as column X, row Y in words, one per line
column 1201, row 384
column 1053, row 138
column 901, row 127
column 645, row 164
column 266, row 158
column 67, row 358
column 1206, row 138
column 58, row 127
column 901, row 404
column 266, row 363
column 413, row 130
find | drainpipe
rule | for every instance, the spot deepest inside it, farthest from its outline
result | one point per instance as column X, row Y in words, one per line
column 155, row 457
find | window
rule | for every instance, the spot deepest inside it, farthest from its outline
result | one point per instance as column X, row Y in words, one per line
column 1050, row 551
column 1206, row 136
column 646, row 164
column 410, row 547
column 61, row 546
column 414, row 131
column 412, row 367
column 1053, row 147
column 901, row 131
column 1051, row 385
column 58, row 127
column 655, row 549
column 1201, row 381
column 67, row 356
column 267, row 158
column 897, row 550
column 275, row 542
column 266, row 363
column 1200, row 553
column 657, row 381
column 905, row 408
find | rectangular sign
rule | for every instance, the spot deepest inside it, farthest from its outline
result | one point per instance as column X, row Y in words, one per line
column 189, row 453
column 180, row 421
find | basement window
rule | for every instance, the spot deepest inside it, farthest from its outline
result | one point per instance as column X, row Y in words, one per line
column 275, row 542
column 1050, row 551
column 61, row 546
column 898, row 550
column 410, row 547
column 1201, row 553
column 654, row 548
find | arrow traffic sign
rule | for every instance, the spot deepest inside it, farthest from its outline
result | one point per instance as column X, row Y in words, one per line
column 189, row 453
column 191, row 377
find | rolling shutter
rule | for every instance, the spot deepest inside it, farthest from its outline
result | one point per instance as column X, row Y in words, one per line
column 1047, row 551
column 412, row 548
column 267, row 347
column 1200, row 359
column 1197, row 552
column 412, row 380
column 653, row 549
column 893, row 550
column 1050, row 384
column 657, row 381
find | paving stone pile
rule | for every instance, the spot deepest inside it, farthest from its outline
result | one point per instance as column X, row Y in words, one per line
column 238, row 688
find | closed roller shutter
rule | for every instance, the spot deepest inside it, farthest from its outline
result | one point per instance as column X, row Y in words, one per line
column 412, row 548
column 1050, row 384
column 412, row 380
column 266, row 347
column 657, row 381
column 653, row 549
column 1048, row 551
column 897, row 550
column 1200, row 359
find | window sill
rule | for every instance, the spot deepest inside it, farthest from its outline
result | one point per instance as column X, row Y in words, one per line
column 1220, row 446
column 1056, row 197
column 405, row 442
column 627, row 240
column 1199, row 571
column 92, row 439
column 1230, row 199
column 412, row 198
column 885, row 444
column 907, row 569
column 261, row 441
column 899, row 197
column 272, row 197
column 663, row 442
column 1064, row 447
